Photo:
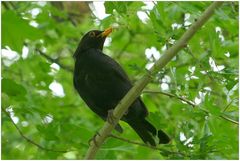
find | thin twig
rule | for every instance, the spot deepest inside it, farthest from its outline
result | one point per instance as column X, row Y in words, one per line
column 40, row 52
column 209, row 74
column 71, row 19
column 54, row 61
column 29, row 140
column 67, row 68
column 153, row 147
column 171, row 95
column 228, row 119
column 192, row 104
column 144, row 145
column 228, row 105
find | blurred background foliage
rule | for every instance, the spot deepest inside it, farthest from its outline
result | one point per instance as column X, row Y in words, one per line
column 39, row 39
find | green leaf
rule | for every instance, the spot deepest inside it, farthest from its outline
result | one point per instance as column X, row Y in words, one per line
column 120, row 7
column 109, row 6
column 231, row 83
column 155, row 118
column 16, row 31
column 207, row 131
column 12, row 88
column 214, row 110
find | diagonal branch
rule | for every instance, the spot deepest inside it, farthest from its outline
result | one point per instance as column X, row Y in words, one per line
column 136, row 90
column 193, row 104
column 172, row 95
column 54, row 61
column 145, row 145
column 229, row 104
column 229, row 119
column 29, row 140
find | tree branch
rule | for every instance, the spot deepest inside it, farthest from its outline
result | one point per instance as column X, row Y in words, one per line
column 64, row 151
column 193, row 105
column 135, row 91
column 67, row 68
column 228, row 119
column 54, row 61
column 172, row 95
column 145, row 145
column 229, row 104
column 29, row 140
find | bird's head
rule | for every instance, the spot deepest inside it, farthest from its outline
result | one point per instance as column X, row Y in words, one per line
column 94, row 39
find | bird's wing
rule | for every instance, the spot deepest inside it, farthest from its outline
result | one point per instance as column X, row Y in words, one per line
column 103, row 71
column 113, row 66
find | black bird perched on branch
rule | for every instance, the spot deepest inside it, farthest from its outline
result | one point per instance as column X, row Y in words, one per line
column 102, row 83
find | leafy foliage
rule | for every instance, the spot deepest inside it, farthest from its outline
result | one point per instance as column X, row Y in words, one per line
column 205, row 73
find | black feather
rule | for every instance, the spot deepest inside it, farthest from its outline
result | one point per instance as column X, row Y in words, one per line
column 101, row 82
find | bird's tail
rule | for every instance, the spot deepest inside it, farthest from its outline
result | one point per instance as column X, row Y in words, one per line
column 147, row 132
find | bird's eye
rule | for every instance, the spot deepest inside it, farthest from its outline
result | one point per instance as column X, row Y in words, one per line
column 92, row 34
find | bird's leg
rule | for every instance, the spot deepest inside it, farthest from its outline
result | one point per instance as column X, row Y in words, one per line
column 94, row 139
column 111, row 118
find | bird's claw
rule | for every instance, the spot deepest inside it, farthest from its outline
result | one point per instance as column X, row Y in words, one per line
column 111, row 118
column 94, row 139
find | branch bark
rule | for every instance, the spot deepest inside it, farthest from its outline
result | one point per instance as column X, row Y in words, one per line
column 136, row 90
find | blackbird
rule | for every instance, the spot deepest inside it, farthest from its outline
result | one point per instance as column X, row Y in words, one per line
column 102, row 83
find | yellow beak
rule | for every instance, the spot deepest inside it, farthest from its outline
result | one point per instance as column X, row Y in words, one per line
column 106, row 32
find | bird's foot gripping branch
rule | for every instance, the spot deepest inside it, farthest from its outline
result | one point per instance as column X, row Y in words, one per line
column 93, row 139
